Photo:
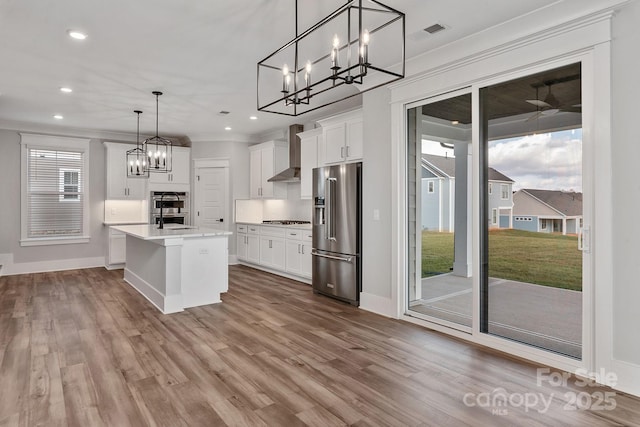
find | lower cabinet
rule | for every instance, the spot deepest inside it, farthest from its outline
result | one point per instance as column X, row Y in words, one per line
column 117, row 248
column 272, row 252
column 278, row 248
column 298, row 250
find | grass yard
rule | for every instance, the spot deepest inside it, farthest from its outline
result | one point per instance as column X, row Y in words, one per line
column 540, row 258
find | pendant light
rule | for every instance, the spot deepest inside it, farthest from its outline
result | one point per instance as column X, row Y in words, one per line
column 157, row 149
column 137, row 157
column 358, row 47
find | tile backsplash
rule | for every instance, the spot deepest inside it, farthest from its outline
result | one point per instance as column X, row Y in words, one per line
column 259, row 210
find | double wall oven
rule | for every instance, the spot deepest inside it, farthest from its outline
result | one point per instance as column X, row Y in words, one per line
column 174, row 205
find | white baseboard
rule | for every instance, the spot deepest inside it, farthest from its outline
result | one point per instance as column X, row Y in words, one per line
column 166, row 304
column 10, row 268
column 377, row 304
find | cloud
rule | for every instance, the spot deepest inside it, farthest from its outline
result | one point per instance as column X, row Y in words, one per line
column 551, row 161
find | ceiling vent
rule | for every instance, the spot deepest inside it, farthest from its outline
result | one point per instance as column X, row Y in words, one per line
column 435, row 28
column 223, row 113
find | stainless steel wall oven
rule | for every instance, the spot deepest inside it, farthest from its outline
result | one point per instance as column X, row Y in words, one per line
column 174, row 205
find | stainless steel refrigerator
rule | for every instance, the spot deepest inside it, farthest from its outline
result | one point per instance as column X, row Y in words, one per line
column 337, row 229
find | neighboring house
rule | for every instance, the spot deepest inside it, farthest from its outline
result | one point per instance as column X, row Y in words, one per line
column 547, row 211
column 438, row 194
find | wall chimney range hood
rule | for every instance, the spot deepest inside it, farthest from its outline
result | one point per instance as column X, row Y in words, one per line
column 292, row 173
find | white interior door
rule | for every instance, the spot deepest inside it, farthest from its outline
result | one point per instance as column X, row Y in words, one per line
column 210, row 200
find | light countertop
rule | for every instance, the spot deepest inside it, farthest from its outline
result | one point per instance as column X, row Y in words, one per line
column 152, row 232
column 296, row 226
column 123, row 222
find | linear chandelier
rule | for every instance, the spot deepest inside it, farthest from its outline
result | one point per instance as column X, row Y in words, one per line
column 137, row 157
column 362, row 43
column 158, row 149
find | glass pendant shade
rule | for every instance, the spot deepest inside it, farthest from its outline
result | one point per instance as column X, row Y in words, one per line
column 137, row 157
column 158, row 150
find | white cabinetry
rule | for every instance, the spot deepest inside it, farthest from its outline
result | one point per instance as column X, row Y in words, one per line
column 310, row 146
column 119, row 186
column 265, row 160
column 283, row 249
column 241, row 242
column 298, row 252
column 179, row 177
column 272, row 247
column 342, row 138
column 253, row 244
column 117, row 248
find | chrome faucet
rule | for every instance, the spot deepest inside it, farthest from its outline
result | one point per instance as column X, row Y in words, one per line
column 161, row 224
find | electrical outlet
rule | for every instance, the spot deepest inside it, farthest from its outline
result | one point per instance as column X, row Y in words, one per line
column 204, row 251
column 114, row 211
column 376, row 214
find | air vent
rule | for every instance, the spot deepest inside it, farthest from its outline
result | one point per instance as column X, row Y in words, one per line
column 435, row 28
column 223, row 113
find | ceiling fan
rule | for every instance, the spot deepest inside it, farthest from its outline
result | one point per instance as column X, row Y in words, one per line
column 550, row 105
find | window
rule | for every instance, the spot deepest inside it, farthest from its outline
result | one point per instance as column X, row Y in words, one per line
column 430, row 187
column 69, row 184
column 543, row 224
column 490, row 188
column 494, row 216
column 504, row 191
column 54, row 190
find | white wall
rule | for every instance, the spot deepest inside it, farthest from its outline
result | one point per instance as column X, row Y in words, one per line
column 626, row 183
column 376, row 195
column 42, row 258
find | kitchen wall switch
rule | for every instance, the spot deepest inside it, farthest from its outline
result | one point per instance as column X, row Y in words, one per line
column 204, row 251
column 376, row 214
column 114, row 211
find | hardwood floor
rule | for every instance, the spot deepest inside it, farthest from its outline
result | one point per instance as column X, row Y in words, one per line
column 82, row 348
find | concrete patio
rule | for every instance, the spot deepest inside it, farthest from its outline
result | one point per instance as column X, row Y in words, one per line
column 541, row 316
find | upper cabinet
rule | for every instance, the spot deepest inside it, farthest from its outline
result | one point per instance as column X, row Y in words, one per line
column 119, row 186
column 265, row 160
column 179, row 177
column 342, row 138
column 310, row 146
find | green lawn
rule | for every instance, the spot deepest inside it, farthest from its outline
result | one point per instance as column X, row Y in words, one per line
column 540, row 258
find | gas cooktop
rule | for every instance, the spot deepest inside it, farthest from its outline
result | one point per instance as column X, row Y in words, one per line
column 285, row 222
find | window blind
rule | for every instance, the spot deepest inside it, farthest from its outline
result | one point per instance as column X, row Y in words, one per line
column 54, row 193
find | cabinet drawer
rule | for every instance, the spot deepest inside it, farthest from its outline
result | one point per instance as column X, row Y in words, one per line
column 253, row 229
column 272, row 231
column 241, row 228
column 294, row 234
column 307, row 235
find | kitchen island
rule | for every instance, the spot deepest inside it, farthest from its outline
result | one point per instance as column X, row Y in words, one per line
column 176, row 267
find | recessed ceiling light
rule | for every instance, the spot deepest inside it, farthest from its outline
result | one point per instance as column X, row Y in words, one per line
column 76, row 34
column 455, row 122
column 66, row 89
column 227, row 128
column 253, row 118
column 58, row 117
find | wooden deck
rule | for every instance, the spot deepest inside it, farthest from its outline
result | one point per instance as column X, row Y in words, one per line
column 82, row 348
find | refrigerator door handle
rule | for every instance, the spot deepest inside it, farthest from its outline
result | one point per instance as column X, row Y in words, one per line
column 338, row 258
column 330, row 210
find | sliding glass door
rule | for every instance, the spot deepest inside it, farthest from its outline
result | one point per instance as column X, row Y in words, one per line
column 527, row 191
column 439, row 158
column 531, row 136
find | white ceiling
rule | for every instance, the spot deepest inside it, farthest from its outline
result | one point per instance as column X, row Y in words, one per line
column 201, row 54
